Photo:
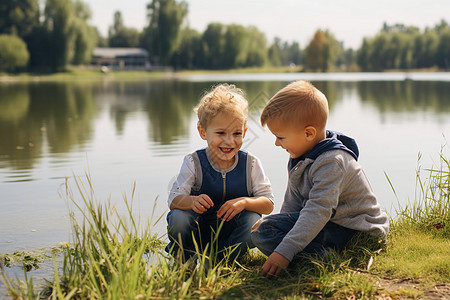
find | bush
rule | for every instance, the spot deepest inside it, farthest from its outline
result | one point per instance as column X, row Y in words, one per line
column 13, row 53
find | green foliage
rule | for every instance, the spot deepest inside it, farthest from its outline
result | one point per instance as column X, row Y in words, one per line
column 419, row 243
column 121, row 36
column 60, row 26
column 14, row 55
column 233, row 46
column 284, row 54
column 190, row 53
column 256, row 48
column 430, row 210
column 322, row 52
column 18, row 17
column 161, row 36
column 214, row 44
column 402, row 47
column 28, row 259
column 113, row 256
column 63, row 36
column 85, row 35
column 415, row 253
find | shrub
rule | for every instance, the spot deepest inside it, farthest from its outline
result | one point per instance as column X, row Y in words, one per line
column 13, row 53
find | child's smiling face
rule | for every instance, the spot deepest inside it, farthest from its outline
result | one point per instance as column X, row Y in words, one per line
column 295, row 141
column 224, row 135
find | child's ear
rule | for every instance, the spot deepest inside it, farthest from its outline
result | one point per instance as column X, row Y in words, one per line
column 310, row 133
column 202, row 132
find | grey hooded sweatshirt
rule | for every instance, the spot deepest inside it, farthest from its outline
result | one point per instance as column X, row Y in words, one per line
column 329, row 185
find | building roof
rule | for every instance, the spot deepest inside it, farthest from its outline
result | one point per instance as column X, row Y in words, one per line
column 120, row 52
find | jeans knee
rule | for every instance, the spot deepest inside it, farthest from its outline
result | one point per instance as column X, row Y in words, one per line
column 180, row 221
column 249, row 218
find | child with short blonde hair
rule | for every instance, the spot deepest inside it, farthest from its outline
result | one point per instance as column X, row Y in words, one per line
column 328, row 197
column 218, row 183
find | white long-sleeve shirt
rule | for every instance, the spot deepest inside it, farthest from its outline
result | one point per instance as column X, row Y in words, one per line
column 258, row 181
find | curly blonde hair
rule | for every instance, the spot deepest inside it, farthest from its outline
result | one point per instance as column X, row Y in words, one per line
column 223, row 98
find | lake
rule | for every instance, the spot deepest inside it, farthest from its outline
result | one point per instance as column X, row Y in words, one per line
column 136, row 132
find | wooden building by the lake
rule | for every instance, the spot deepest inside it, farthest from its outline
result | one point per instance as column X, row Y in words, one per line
column 121, row 58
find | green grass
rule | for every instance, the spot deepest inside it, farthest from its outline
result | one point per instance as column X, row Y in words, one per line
column 419, row 240
column 80, row 74
column 119, row 257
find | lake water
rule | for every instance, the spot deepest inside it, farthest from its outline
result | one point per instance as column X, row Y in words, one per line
column 123, row 132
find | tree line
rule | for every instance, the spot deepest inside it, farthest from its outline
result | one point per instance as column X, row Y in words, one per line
column 60, row 35
column 406, row 47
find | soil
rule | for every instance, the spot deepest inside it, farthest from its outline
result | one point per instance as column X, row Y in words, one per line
column 412, row 289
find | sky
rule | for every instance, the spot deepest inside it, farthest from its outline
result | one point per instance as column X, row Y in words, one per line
column 291, row 20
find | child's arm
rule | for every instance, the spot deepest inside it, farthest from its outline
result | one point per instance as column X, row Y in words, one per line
column 262, row 202
column 231, row 208
column 199, row 204
column 274, row 264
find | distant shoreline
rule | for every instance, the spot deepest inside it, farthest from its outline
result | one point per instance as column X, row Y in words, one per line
column 93, row 74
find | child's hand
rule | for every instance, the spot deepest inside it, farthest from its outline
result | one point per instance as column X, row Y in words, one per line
column 231, row 208
column 201, row 203
column 274, row 264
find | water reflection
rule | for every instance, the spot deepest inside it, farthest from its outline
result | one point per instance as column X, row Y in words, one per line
column 34, row 116
column 169, row 106
column 140, row 131
column 61, row 116
column 406, row 96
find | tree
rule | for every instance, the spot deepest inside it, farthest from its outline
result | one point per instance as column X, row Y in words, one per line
column 189, row 54
column 273, row 54
column 362, row 55
column 425, row 49
column 64, row 37
column 235, row 48
column 18, row 17
column 59, row 23
column 377, row 53
column 85, row 35
column 213, row 41
column 294, row 54
column 322, row 51
column 443, row 49
column 257, row 48
column 13, row 53
column 121, row 36
column 161, row 36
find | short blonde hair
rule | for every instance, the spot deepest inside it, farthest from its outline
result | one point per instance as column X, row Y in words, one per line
column 299, row 103
column 223, row 98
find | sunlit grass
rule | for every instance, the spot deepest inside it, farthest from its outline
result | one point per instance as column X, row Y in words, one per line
column 419, row 241
column 80, row 74
column 115, row 256
column 430, row 210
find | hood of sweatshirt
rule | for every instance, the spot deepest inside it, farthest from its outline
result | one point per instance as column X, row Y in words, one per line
column 333, row 140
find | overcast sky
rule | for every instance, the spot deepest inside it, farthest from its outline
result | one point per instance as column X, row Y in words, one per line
column 291, row 20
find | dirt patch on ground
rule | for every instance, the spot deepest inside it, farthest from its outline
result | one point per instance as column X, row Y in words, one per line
column 412, row 289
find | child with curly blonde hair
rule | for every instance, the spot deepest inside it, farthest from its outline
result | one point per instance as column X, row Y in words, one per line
column 220, row 183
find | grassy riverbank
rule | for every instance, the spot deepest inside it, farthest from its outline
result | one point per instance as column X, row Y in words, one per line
column 80, row 74
column 114, row 256
column 83, row 73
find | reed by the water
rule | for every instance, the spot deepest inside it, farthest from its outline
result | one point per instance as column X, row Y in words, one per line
column 119, row 257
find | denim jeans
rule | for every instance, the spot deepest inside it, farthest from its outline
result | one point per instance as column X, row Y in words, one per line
column 183, row 224
column 273, row 228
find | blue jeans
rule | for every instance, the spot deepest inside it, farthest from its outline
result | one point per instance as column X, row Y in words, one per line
column 273, row 228
column 184, row 224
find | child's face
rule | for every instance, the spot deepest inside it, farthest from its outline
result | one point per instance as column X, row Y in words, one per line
column 224, row 135
column 293, row 139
